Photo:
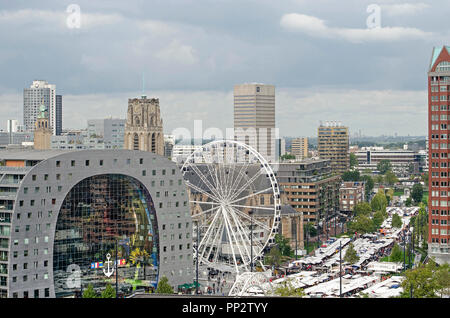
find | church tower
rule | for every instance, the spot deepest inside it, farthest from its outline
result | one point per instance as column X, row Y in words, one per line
column 42, row 131
column 144, row 126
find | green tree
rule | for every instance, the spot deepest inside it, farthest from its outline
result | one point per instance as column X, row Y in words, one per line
column 417, row 193
column 353, row 160
column 89, row 292
column 390, row 194
column 423, row 280
column 363, row 208
column 274, row 257
column 442, row 276
column 390, row 178
column 287, row 156
column 377, row 219
column 408, row 202
column 351, row 175
column 384, row 165
column 425, row 178
column 109, row 292
column 396, row 221
column 379, row 201
column 361, row 224
column 285, row 289
column 164, row 286
column 283, row 245
column 379, row 179
column 309, row 228
column 396, row 254
column 351, row 256
column 368, row 187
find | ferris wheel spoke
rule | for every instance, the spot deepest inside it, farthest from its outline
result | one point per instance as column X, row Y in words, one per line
column 240, row 175
column 233, row 235
column 216, row 257
column 228, row 232
column 232, row 181
column 210, row 227
column 247, row 184
column 198, row 189
column 206, row 245
column 215, row 240
column 229, row 169
column 261, row 225
column 198, row 215
column 242, row 233
column 249, row 218
column 252, row 207
column 205, row 180
column 219, row 175
column 251, row 195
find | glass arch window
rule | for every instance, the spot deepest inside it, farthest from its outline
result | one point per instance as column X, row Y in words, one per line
column 96, row 213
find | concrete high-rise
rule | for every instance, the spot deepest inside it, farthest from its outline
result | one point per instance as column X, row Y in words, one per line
column 144, row 126
column 32, row 98
column 254, row 117
column 438, row 135
column 333, row 144
column 299, row 148
column 58, row 119
column 107, row 133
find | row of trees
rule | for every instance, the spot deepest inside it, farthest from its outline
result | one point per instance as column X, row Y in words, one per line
column 369, row 217
column 420, row 224
column 109, row 292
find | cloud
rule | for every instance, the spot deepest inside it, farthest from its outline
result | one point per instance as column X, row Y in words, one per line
column 314, row 26
column 56, row 20
column 375, row 112
column 176, row 52
column 403, row 8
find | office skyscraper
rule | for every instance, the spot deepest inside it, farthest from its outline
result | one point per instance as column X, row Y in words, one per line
column 254, row 117
column 58, row 119
column 39, row 91
column 333, row 144
column 299, row 148
column 438, row 135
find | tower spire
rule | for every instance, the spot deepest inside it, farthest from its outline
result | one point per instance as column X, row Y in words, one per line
column 143, row 86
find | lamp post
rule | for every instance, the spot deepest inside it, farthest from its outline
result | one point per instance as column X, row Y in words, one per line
column 404, row 249
column 410, row 248
column 251, row 240
column 335, row 220
column 297, row 223
column 340, row 268
column 117, row 273
column 307, row 235
column 196, row 260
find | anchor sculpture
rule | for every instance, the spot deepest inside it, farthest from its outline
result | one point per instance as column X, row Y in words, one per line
column 110, row 270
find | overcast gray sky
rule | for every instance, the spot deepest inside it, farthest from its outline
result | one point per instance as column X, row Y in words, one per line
column 325, row 62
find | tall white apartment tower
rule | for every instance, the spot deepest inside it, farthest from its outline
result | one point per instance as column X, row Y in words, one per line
column 254, row 117
column 40, row 91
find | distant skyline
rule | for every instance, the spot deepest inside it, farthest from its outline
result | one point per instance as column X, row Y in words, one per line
column 324, row 61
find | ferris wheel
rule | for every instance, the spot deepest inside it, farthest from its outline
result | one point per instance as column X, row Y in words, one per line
column 235, row 204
